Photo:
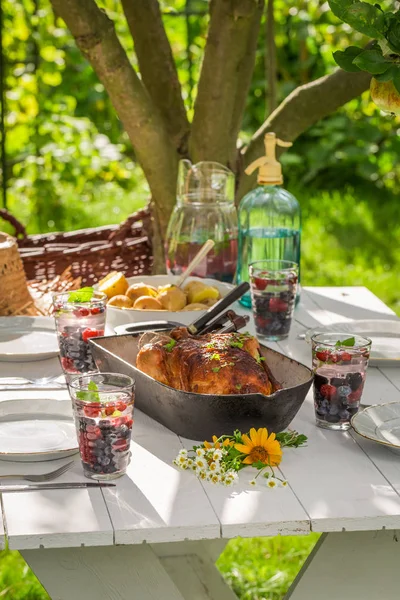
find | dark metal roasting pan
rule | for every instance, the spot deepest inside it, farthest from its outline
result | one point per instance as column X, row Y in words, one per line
column 199, row 416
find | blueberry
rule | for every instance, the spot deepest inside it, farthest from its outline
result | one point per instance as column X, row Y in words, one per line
column 344, row 415
column 334, row 409
column 344, row 391
column 354, row 380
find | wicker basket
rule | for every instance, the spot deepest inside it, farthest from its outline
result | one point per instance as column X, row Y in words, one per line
column 14, row 294
column 90, row 253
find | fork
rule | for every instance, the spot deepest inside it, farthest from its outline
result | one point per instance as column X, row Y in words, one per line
column 43, row 477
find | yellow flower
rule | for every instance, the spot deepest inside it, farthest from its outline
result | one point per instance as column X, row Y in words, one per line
column 216, row 443
column 260, row 448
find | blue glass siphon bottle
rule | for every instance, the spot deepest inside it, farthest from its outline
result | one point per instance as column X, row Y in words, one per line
column 269, row 217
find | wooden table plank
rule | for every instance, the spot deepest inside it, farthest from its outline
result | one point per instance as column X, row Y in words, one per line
column 155, row 502
column 247, row 511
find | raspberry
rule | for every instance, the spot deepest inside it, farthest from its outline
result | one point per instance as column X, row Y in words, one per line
column 121, row 406
column 329, row 391
column 277, row 305
column 323, row 355
column 89, row 333
column 95, row 310
column 355, row 396
column 345, row 356
column 260, row 283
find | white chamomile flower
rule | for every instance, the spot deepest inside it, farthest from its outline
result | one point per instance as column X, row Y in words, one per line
column 272, row 483
column 214, row 467
column 217, row 455
column 253, row 482
column 182, row 461
column 183, row 452
column 190, row 462
column 200, row 451
column 215, row 478
column 284, row 483
column 202, row 475
column 233, row 476
column 200, row 463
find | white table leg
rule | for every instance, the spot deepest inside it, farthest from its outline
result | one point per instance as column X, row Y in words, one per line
column 362, row 565
column 175, row 571
column 191, row 566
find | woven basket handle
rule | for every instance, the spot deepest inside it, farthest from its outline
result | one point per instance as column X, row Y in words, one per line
column 19, row 228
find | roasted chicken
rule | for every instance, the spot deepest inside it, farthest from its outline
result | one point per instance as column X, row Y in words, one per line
column 225, row 363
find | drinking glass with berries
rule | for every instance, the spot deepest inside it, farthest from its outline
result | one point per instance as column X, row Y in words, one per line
column 340, row 367
column 79, row 316
column 103, row 412
column 273, row 286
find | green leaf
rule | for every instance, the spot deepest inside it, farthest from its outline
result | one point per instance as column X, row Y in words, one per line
column 363, row 17
column 85, row 294
column 170, row 345
column 234, row 344
column 89, row 396
column 345, row 59
column 372, row 61
column 216, row 369
column 389, row 74
column 392, row 31
column 347, row 342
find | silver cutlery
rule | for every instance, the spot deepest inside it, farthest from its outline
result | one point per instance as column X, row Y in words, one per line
column 54, row 486
column 50, row 476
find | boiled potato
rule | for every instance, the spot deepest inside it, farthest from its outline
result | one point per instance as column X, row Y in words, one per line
column 114, row 285
column 172, row 298
column 147, row 303
column 140, row 289
column 120, row 301
column 199, row 291
column 196, row 306
column 210, row 301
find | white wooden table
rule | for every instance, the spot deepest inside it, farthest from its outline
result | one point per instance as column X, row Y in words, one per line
column 158, row 533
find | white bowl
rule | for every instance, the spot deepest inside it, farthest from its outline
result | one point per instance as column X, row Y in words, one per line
column 124, row 316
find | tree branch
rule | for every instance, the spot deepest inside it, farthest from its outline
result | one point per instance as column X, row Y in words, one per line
column 305, row 106
column 243, row 80
column 157, row 66
column 227, row 43
column 95, row 35
column 270, row 59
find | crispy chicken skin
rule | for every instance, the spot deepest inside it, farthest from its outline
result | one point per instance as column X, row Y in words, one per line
column 226, row 363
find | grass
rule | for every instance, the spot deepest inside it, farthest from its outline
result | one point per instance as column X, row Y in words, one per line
column 349, row 238
column 257, row 569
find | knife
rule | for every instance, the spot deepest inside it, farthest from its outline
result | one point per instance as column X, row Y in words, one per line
column 55, row 486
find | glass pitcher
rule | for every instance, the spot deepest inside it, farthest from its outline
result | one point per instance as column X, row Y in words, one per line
column 205, row 209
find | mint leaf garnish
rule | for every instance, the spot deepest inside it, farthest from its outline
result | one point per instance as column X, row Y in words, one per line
column 170, row 345
column 234, row 344
column 85, row 294
column 89, row 396
column 348, row 342
column 216, row 369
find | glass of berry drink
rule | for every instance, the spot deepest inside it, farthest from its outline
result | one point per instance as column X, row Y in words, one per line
column 79, row 316
column 273, row 286
column 340, row 366
column 103, row 411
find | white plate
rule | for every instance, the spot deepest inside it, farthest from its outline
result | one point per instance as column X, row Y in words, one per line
column 24, row 339
column 379, row 423
column 34, row 430
column 384, row 334
column 119, row 316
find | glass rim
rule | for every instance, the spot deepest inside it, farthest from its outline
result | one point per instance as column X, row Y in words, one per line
column 287, row 265
column 344, row 336
column 73, row 381
column 97, row 297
